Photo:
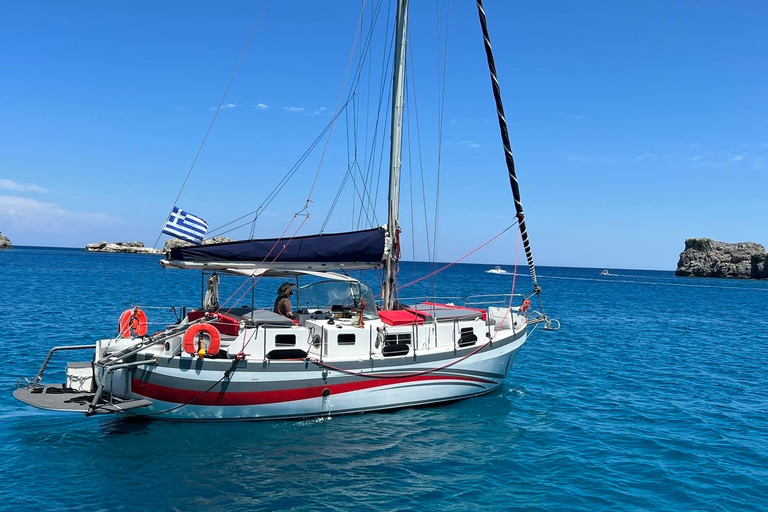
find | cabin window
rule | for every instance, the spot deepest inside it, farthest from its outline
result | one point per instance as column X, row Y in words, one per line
column 402, row 338
column 468, row 337
column 346, row 339
column 285, row 340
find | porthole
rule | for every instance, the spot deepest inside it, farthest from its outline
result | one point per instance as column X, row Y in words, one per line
column 285, row 340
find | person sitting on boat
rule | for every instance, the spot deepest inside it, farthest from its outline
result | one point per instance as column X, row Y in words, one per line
column 283, row 301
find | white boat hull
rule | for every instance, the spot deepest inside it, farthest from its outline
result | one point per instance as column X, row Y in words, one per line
column 189, row 390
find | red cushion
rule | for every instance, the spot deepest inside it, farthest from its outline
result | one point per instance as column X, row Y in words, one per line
column 400, row 317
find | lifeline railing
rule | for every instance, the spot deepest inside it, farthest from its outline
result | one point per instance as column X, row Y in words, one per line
column 493, row 299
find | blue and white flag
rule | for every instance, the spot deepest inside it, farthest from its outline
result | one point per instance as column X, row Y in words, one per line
column 185, row 226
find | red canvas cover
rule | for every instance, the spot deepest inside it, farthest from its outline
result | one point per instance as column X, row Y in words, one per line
column 400, row 317
column 224, row 324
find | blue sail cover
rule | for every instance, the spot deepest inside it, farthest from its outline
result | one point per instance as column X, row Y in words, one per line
column 354, row 247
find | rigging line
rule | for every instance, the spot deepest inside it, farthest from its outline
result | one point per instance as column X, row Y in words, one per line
column 382, row 94
column 284, row 181
column 336, row 199
column 514, row 278
column 365, row 50
column 255, row 281
column 353, row 148
column 338, row 104
column 441, row 121
column 368, row 103
column 365, row 200
column 277, row 241
column 381, row 159
column 510, row 161
column 458, row 260
column 271, row 264
column 223, row 97
column 410, row 181
column 208, row 131
column 350, row 173
column 421, row 161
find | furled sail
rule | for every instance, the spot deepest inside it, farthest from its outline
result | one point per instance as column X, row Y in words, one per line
column 354, row 249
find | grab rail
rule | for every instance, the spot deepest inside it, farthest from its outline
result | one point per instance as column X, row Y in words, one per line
column 39, row 376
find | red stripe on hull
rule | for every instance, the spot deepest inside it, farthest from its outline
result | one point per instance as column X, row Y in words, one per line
column 177, row 395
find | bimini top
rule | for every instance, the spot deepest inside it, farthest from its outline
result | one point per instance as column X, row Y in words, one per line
column 352, row 250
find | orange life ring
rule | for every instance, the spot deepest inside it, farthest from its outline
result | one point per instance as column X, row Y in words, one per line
column 190, row 342
column 132, row 321
column 526, row 306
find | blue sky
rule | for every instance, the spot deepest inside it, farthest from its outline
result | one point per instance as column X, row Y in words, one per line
column 634, row 125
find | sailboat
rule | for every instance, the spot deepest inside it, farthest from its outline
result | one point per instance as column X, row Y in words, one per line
column 343, row 351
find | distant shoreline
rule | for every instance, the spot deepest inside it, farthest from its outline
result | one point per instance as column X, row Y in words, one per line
column 522, row 268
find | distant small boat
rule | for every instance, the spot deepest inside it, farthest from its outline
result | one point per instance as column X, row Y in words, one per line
column 496, row 270
column 605, row 273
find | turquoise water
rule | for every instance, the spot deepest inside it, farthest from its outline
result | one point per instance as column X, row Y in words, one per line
column 653, row 396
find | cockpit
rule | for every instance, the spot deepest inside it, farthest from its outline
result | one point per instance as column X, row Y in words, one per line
column 340, row 299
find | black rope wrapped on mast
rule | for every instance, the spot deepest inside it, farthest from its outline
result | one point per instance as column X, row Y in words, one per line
column 507, row 147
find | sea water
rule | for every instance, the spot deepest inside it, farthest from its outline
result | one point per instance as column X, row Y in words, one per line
column 652, row 396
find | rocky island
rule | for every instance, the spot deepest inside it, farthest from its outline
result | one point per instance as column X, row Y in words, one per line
column 704, row 257
column 172, row 243
column 124, row 247
column 5, row 242
column 140, row 248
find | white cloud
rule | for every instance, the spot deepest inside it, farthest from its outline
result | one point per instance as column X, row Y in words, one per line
column 225, row 105
column 469, row 143
column 23, row 214
column 317, row 112
column 19, row 187
column 644, row 156
column 262, row 106
column 718, row 159
column 294, row 109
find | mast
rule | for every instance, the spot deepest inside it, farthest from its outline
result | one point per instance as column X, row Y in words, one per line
column 395, row 152
column 507, row 147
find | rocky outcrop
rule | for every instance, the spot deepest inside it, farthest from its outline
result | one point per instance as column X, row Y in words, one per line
column 139, row 248
column 704, row 257
column 129, row 247
column 173, row 243
column 5, row 242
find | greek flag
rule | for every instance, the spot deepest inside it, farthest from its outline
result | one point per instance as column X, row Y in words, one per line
column 185, row 226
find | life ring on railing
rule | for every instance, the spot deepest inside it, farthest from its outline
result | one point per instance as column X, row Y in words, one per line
column 132, row 321
column 195, row 332
column 526, row 306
